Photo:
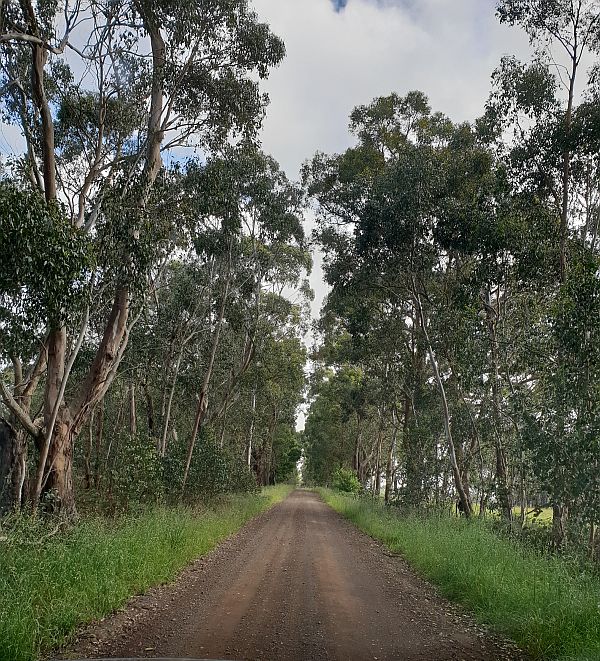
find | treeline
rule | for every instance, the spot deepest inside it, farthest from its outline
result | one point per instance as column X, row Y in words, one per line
column 459, row 349
column 152, row 266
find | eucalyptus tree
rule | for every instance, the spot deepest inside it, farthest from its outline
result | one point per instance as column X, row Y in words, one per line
column 100, row 92
column 361, row 328
column 260, row 239
column 574, row 28
column 550, row 158
column 422, row 230
column 335, row 423
column 386, row 191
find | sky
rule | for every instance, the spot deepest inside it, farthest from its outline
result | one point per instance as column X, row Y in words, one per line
column 344, row 53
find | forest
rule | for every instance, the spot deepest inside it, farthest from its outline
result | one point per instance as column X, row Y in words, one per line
column 457, row 354
column 158, row 340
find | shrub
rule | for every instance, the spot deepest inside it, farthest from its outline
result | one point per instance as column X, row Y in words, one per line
column 345, row 480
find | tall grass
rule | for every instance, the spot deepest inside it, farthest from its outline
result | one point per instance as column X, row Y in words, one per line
column 47, row 590
column 541, row 602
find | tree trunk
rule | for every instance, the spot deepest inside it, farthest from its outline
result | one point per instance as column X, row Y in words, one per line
column 503, row 488
column 592, row 541
column 356, row 462
column 389, row 472
column 52, row 487
column 560, row 511
column 132, row 410
column 251, row 431
column 267, row 451
column 463, row 495
column 98, row 443
column 13, row 466
column 162, row 447
column 560, row 516
column 377, row 477
column 203, row 394
column 389, row 468
column 523, row 515
column 149, row 409
column 87, row 459
column 57, row 493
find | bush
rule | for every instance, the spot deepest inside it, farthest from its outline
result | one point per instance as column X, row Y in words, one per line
column 345, row 480
column 213, row 471
column 137, row 476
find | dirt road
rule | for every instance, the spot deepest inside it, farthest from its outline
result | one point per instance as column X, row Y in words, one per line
column 298, row 583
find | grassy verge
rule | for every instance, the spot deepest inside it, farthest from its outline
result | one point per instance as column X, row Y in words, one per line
column 47, row 590
column 550, row 610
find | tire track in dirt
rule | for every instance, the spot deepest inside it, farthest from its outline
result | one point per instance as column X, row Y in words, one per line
column 298, row 583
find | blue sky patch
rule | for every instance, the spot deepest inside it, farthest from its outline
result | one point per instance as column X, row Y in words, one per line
column 339, row 4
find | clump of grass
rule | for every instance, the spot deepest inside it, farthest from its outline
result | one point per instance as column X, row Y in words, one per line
column 48, row 589
column 547, row 608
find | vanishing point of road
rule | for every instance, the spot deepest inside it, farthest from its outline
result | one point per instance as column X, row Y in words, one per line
column 297, row 583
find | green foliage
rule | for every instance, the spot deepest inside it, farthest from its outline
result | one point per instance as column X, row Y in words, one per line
column 48, row 589
column 214, row 470
column 332, row 424
column 565, row 456
column 45, row 264
column 137, row 477
column 287, row 452
column 541, row 602
column 345, row 480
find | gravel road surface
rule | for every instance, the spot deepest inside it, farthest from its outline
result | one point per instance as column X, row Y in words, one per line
column 297, row 583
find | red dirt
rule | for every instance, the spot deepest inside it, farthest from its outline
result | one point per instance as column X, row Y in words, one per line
column 297, row 583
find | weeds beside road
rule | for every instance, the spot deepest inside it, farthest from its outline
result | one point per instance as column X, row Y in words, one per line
column 550, row 610
column 48, row 589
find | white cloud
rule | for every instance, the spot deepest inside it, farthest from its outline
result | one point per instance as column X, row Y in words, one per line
column 337, row 60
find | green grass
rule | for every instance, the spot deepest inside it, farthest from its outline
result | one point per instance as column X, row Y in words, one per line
column 541, row 602
column 47, row 590
column 544, row 518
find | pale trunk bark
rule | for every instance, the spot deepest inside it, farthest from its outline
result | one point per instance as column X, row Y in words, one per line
column 98, row 442
column 377, row 476
column 203, row 394
column 463, row 496
column 560, row 510
column 162, row 448
column 390, row 464
column 504, row 496
column 251, row 431
column 87, row 459
column 132, row 411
